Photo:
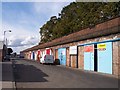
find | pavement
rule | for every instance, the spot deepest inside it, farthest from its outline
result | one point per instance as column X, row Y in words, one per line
column 7, row 76
column 29, row 74
column 19, row 74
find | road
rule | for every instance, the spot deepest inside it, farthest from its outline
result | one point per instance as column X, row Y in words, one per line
column 30, row 74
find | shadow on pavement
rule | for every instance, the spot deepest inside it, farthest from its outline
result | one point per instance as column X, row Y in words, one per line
column 7, row 71
column 28, row 73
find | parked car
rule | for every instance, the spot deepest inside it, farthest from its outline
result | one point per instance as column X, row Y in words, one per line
column 21, row 56
column 47, row 59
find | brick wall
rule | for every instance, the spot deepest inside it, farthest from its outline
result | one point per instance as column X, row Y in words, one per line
column 56, row 53
column 119, row 59
column 81, row 57
column 73, row 59
column 115, row 58
column 68, row 57
column 116, row 51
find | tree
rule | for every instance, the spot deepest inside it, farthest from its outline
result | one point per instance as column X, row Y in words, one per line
column 77, row 16
column 46, row 31
column 10, row 50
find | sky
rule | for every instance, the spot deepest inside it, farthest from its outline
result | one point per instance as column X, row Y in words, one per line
column 24, row 20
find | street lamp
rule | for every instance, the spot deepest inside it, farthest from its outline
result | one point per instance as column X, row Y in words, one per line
column 5, row 46
column 4, row 34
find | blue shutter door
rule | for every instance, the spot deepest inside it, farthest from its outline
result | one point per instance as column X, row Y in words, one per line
column 89, row 59
column 62, row 56
column 105, row 57
column 59, row 55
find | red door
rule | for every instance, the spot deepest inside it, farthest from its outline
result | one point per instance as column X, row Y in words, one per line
column 38, row 55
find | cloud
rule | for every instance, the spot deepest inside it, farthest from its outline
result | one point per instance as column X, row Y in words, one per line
column 18, row 49
column 49, row 9
column 31, row 40
column 22, row 41
column 25, row 21
column 1, row 32
column 45, row 10
column 20, row 38
column 15, row 42
column 18, row 30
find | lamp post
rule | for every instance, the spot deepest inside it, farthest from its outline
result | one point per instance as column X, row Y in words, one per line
column 5, row 43
column 4, row 35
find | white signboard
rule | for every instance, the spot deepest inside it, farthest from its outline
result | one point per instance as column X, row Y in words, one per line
column 73, row 50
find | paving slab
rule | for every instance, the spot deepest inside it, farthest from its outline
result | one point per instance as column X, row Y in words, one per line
column 7, row 80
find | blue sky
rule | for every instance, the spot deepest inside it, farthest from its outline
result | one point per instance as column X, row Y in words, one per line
column 25, row 19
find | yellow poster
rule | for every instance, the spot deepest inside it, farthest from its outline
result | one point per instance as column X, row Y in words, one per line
column 101, row 46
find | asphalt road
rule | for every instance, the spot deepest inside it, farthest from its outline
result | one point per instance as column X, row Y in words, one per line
column 29, row 74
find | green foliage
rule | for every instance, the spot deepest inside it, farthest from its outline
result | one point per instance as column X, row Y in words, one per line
column 76, row 16
column 10, row 51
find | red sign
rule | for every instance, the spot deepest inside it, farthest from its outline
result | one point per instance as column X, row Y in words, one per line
column 48, row 51
column 39, row 52
column 38, row 55
column 88, row 48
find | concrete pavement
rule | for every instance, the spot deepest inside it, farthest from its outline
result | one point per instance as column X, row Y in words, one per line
column 30, row 74
column 7, row 81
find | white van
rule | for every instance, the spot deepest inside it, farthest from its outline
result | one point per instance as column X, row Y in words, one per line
column 47, row 59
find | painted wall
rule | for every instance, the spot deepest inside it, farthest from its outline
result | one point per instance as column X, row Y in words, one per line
column 62, row 56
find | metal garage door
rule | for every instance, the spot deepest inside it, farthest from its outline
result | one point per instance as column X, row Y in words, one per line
column 105, row 57
column 89, row 57
column 62, row 56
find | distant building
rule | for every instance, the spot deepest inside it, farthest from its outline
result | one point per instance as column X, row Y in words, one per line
column 3, row 50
